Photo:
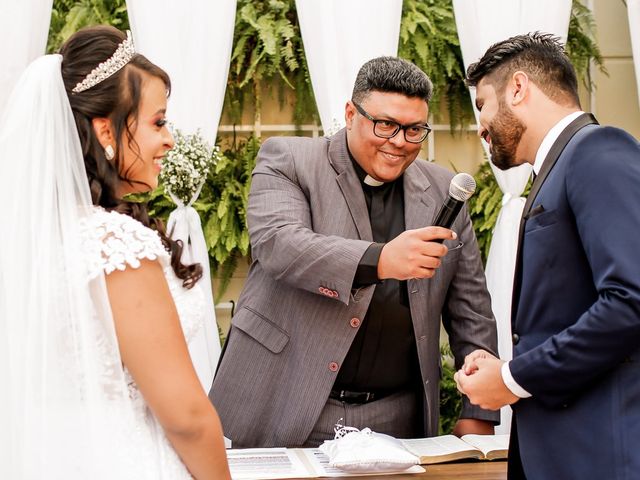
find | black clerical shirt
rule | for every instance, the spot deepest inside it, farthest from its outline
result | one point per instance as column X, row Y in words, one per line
column 383, row 355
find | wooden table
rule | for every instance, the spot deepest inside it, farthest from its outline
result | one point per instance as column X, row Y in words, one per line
column 493, row 470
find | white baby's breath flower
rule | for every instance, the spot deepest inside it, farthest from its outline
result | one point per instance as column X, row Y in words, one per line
column 187, row 165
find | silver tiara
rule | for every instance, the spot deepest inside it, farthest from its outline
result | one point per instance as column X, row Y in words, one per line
column 123, row 55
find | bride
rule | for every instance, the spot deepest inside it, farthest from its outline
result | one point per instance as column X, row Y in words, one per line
column 95, row 305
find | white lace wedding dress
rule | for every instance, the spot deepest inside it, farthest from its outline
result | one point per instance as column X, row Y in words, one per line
column 113, row 241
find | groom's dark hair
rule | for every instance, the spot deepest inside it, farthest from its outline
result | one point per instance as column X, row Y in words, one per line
column 394, row 75
column 540, row 55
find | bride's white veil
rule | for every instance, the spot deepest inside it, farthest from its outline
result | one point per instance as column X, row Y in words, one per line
column 64, row 406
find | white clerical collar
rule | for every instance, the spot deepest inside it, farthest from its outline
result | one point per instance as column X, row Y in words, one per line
column 372, row 182
column 550, row 138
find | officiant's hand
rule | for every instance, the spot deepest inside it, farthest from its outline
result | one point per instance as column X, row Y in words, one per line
column 414, row 253
column 465, row 426
column 470, row 365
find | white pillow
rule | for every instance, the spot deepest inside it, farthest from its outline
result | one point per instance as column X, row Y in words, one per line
column 364, row 451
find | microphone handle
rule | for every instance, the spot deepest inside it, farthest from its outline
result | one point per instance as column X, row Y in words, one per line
column 447, row 214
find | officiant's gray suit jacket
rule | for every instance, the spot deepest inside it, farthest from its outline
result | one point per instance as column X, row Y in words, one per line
column 309, row 227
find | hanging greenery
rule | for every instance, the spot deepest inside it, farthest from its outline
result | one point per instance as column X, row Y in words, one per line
column 484, row 207
column 450, row 400
column 268, row 53
column 225, row 200
column 268, row 47
column 67, row 17
column 428, row 38
column 581, row 43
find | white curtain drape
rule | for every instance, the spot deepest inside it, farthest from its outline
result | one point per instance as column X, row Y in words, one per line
column 633, row 9
column 191, row 40
column 25, row 27
column 338, row 38
column 480, row 24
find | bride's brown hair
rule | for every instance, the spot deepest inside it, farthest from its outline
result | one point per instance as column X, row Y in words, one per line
column 116, row 98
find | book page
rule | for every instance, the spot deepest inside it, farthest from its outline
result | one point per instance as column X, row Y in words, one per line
column 440, row 449
column 266, row 463
column 487, row 444
column 319, row 462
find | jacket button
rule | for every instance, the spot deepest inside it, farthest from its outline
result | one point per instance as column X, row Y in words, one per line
column 355, row 322
column 334, row 293
column 322, row 290
column 515, row 338
column 333, row 366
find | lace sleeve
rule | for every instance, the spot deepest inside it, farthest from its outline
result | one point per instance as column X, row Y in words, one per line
column 114, row 241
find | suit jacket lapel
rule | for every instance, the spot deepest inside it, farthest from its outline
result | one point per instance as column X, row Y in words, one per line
column 419, row 210
column 550, row 160
column 349, row 184
column 552, row 157
column 419, row 207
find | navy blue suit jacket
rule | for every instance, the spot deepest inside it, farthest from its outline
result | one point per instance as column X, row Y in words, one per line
column 576, row 310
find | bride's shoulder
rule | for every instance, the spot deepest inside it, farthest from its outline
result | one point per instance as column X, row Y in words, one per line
column 114, row 241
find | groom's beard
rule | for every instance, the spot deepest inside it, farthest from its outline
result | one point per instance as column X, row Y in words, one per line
column 505, row 132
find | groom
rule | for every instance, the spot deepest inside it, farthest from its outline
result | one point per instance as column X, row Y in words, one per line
column 574, row 381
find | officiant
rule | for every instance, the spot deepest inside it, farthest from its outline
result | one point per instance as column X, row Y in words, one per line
column 340, row 315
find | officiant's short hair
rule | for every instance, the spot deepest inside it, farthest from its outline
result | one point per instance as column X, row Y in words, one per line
column 391, row 75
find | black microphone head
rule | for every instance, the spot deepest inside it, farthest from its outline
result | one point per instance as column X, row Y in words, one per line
column 462, row 186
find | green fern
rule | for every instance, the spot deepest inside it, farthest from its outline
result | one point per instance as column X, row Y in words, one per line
column 428, row 38
column 450, row 399
column 67, row 17
column 223, row 206
column 268, row 46
column 581, row 43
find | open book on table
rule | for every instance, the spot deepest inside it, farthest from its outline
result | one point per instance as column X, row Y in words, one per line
column 279, row 463
column 272, row 463
column 447, row 448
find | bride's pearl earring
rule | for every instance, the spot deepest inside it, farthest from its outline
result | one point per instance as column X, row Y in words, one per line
column 109, row 153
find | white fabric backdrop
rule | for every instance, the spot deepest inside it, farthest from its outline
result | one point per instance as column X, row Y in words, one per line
column 338, row 38
column 191, row 40
column 633, row 9
column 481, row 23
column 25, row 27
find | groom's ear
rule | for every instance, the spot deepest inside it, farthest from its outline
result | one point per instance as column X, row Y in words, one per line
column 103, row 129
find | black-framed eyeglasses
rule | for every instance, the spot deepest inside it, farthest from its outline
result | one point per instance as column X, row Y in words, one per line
column 415, row 133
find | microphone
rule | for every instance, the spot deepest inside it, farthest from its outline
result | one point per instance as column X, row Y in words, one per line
column 461, row 188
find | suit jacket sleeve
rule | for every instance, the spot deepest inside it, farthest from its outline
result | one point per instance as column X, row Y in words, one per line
column 466, row 314
column 281, row 232
column 603, row 190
